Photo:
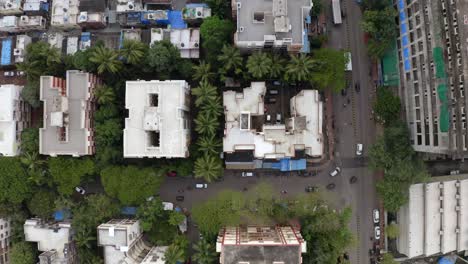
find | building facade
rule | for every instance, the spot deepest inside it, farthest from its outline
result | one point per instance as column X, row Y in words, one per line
column 158, row 124
column 69, row 105
column 260, row 244
column 271, row 24
column 54, row 240
column 433, row 66
column 15, row 116
column 5, row 243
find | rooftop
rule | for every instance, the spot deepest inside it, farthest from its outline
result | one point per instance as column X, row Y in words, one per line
column 64, row 13
column 158, row 121
column 186, row 40
column 9, row 94
column 49, row 237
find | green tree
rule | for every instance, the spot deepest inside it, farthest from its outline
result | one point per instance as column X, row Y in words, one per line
column 213, row 106
column 209, row 145
column 14, row 185
column 130, row 184
column 277, row 66
column 133, row 51
column 30, row 93
column 231, row 61
column 317, row 8
column 35, row 167
column 175, row 218
column 84, row 239
column 387, row 107
column 218, row 7
column 392, row 230
column 299, row 68
column 259, row 65
column 22, row 253
column 215, row 32
column 106, row 59
column 174, row 254
column 67, row 172
column 380, row 24
column 30, row 140
column 163, row 57
column 108, row 132
column 94, row 210
column 104, row 95
column 205, row 252
column 204, row 92
column 329, row 69
column 206, row 123
column 208, row 168
column 150, row 213
column 387, row 258
column 42, row 204
column 202, row 72
column 40, row 59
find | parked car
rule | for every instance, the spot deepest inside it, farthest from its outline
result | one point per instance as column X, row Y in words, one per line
column 271, row 100
column 358, row 149
column 454, row 172
column 9, row 74
column 377, row 232
column 357, row 87
column 180, row 198
column 273, row 91
column 335, row 172
column 376, row 215
column 268, row 118
column 311, row 189
column 331, row 186
column 353, row 180
column 201, row 185
column 247, row 174
column 80, row 190
column 278, row 118
column 171, row 174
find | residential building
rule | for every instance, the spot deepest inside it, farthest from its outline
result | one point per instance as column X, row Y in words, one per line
column 158, row 125
column 69, row 106
column 56, row 40
column 93, row 20
column 72, row 45
column 32, row 23
column 249, row 137
column 186, row 40
column 5, row 243
column 15, row 116
column 36, row 7
column 122, row 240
column 22, row 41
column 64, row 14
column 278, row 24
column 433, row 64
column 260, row 244
column 196, row 11
column 11, row 7
column 124, row 6
column 435, row 219
column 54, row 240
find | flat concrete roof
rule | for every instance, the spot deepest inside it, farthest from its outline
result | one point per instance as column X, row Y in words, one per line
column 260, row 254
column 48, row 237
column 9, row 94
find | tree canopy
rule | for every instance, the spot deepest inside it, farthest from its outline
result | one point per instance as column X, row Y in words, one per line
column 380, row 24
column 30, row 140
column 42, row 204
column 130, row 185
column 387, row 107
column 14, row 185
column 23, row 253
column 215, row 32
column 329, row 71
column 67, row 172
column 163, row 58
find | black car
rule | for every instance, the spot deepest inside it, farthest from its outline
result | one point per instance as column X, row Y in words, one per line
column 357, row 87
column 343, row 92
column 331, row 186
column 353, row 180
column 180, row 198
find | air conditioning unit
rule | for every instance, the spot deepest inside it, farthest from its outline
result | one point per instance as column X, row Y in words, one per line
column 24, row 19
column 182, row 45
column 151, row 16
column 241, row 29
column 196, row 45
column 199, row 12
column 18, row 52
column 131, row 6
column 239, row 5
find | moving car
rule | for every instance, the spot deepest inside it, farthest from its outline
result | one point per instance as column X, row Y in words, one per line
column 80, row 190
column 311, row 189
column 171, row 174
column 247, row 174
column 201, row 185
column 353, row 180
column 278, row 118
column 180, row 198
column 377, row 232
column 357, row 87
column 358, row 149
column 376, row 215
column 335, row 172
column 331, row 186
column 273, row 91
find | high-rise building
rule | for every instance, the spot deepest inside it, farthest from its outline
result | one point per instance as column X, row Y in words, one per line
column 433, row 66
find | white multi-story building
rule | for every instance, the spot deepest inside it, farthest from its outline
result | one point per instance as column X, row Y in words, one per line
column 22, row 41
column 5, row 244
column 122, row 240
column 69, row 106
column 54, row 240
column 64, row 14
column 260, row 244
column 15, row 115
column 158, row 125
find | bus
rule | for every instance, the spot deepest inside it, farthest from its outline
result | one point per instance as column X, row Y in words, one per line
column 336, row 5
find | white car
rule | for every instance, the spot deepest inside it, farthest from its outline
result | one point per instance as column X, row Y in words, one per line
column 80, row 190
column 201, row 185
column 377, row 232
column 335, row 172
column 359, row 149
column 247, row 174
column 376, row 216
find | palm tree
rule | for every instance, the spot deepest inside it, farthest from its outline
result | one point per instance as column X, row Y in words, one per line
column 259, row 65
column 202, row 72
column 205, row 252
column 106, row 59
column 299, row 68
column 31, row 161
column 231, row 60
column 84, row 239
column 133, row 51
column 209, row 144
column 213, row 106
column 174, row 254
column 277, row 66
column 104, row 94
column 204, row 92
column 206, row 123
column 208, row 167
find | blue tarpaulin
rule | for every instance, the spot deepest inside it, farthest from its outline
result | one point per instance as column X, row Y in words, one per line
column 6, row 51
column 445, row 260
column 290, row 165
column 128, row 210
column 61, row 215
column 175, row 19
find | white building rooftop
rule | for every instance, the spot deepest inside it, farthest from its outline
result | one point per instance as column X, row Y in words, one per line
column 11, row 7
column 64, row 14
column 158, row 122
column 9, row 139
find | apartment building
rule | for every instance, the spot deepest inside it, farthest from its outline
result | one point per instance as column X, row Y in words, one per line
column 260, row 244
column 15, row 116
column 69, row 105
column 64, row 14
column 54, row 240
column 433, row 58
column 158, row 124
column 272, row 24
column 5, row 244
